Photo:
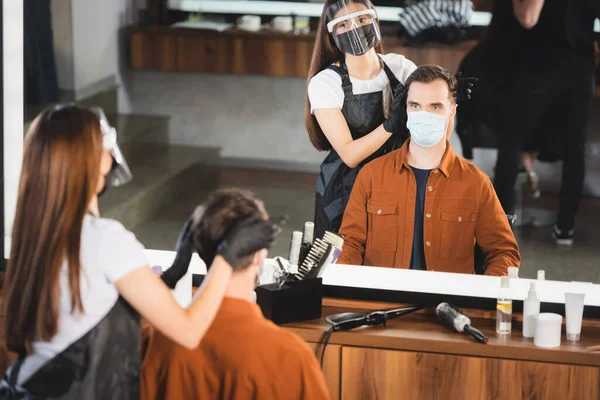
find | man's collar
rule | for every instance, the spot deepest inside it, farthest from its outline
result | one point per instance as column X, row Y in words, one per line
column 234, row 305
column 445, row 165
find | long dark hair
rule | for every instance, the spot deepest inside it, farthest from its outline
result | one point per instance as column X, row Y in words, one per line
column 324, row 54
column 61, row 166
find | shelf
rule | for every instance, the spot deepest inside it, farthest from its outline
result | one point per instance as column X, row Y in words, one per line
column 388, row 14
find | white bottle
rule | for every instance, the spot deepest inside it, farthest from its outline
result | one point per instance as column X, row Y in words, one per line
column 504, row 307
column 531, row 308
column 541, row 276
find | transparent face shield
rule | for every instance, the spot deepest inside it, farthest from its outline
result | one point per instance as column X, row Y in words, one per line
column 353, row 26
column 120, row 173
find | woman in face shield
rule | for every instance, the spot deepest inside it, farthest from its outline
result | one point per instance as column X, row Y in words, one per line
column 355, row 102
column 76, row 282
column 353, row 106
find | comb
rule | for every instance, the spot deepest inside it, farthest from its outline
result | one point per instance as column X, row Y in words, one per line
column 322, row 253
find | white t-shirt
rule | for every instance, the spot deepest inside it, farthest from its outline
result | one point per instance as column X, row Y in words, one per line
column 325, row 88
column 108, row 252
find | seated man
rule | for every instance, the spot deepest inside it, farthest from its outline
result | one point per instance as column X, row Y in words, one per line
column 242, row 355
column 422, row 206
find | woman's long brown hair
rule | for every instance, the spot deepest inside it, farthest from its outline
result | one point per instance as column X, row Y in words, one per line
column 61, row 165
column 324, row 54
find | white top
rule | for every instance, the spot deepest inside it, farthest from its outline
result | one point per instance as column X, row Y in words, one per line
column 182, row 293
column 325, row 88
column 108, row 252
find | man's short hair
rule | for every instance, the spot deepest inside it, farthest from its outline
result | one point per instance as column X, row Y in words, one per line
column 213, row 218
column 430, row 73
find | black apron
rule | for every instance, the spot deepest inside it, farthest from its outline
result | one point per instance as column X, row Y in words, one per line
column 363, row 113
column 103, row 364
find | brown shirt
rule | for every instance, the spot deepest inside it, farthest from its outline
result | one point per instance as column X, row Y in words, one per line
column 461, row 207
column 242, row 356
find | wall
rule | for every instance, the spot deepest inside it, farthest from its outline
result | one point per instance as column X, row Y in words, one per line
column 249, row 117
column 259, row 121
column 90, row 45
column 62, row 34
column 95, row 45
column 12, row 58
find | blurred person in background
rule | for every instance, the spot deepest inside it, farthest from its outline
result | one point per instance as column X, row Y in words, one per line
column 536, row 70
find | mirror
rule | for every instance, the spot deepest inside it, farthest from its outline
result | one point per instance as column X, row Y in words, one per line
column 200, row 109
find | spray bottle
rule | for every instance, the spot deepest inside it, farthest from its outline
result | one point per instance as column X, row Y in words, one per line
column 531, row 308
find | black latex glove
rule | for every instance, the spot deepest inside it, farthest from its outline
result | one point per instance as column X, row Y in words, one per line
column 183, row 257
column 464, row 87
column 397, row 120
column 249, row 236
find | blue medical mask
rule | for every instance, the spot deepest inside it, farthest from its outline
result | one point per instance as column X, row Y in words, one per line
column 426, row 128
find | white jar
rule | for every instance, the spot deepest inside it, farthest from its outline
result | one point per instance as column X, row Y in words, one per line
column 548, row 328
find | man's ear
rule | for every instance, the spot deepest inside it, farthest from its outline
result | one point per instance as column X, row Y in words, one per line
column 453, row 110
column 259, row 257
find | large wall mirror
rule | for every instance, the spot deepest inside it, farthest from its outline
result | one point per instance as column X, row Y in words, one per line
column 200, row 109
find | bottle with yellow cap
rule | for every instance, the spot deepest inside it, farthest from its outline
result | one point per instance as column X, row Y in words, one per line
column 504, row 307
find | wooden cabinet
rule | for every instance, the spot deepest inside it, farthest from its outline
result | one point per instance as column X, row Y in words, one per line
column 255, row 53
column 153, row 52
column 356, row 373
column 163, row 48
column 202, row 53
column 331, row 368
column 271, row 56
column 190, row 50
column 387, row 374
column 416, row 358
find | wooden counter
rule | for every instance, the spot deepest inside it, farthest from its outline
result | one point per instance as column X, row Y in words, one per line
column 259, row 53
column 265, row 52
column 415, row 357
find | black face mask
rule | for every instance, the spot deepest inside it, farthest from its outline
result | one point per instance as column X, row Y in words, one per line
column 117, row 176
column 107, row 177
column 357, row 41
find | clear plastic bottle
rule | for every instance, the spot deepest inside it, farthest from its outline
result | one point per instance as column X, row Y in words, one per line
column 504, row 307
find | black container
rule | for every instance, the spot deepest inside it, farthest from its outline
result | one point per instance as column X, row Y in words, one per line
column 293, row 302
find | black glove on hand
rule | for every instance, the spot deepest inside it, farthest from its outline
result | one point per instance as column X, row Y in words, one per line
column 183, row 257
column 397, row 120
column 248, row 236
column 463, row 90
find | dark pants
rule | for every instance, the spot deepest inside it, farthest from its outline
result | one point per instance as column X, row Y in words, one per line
column 566, row 81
